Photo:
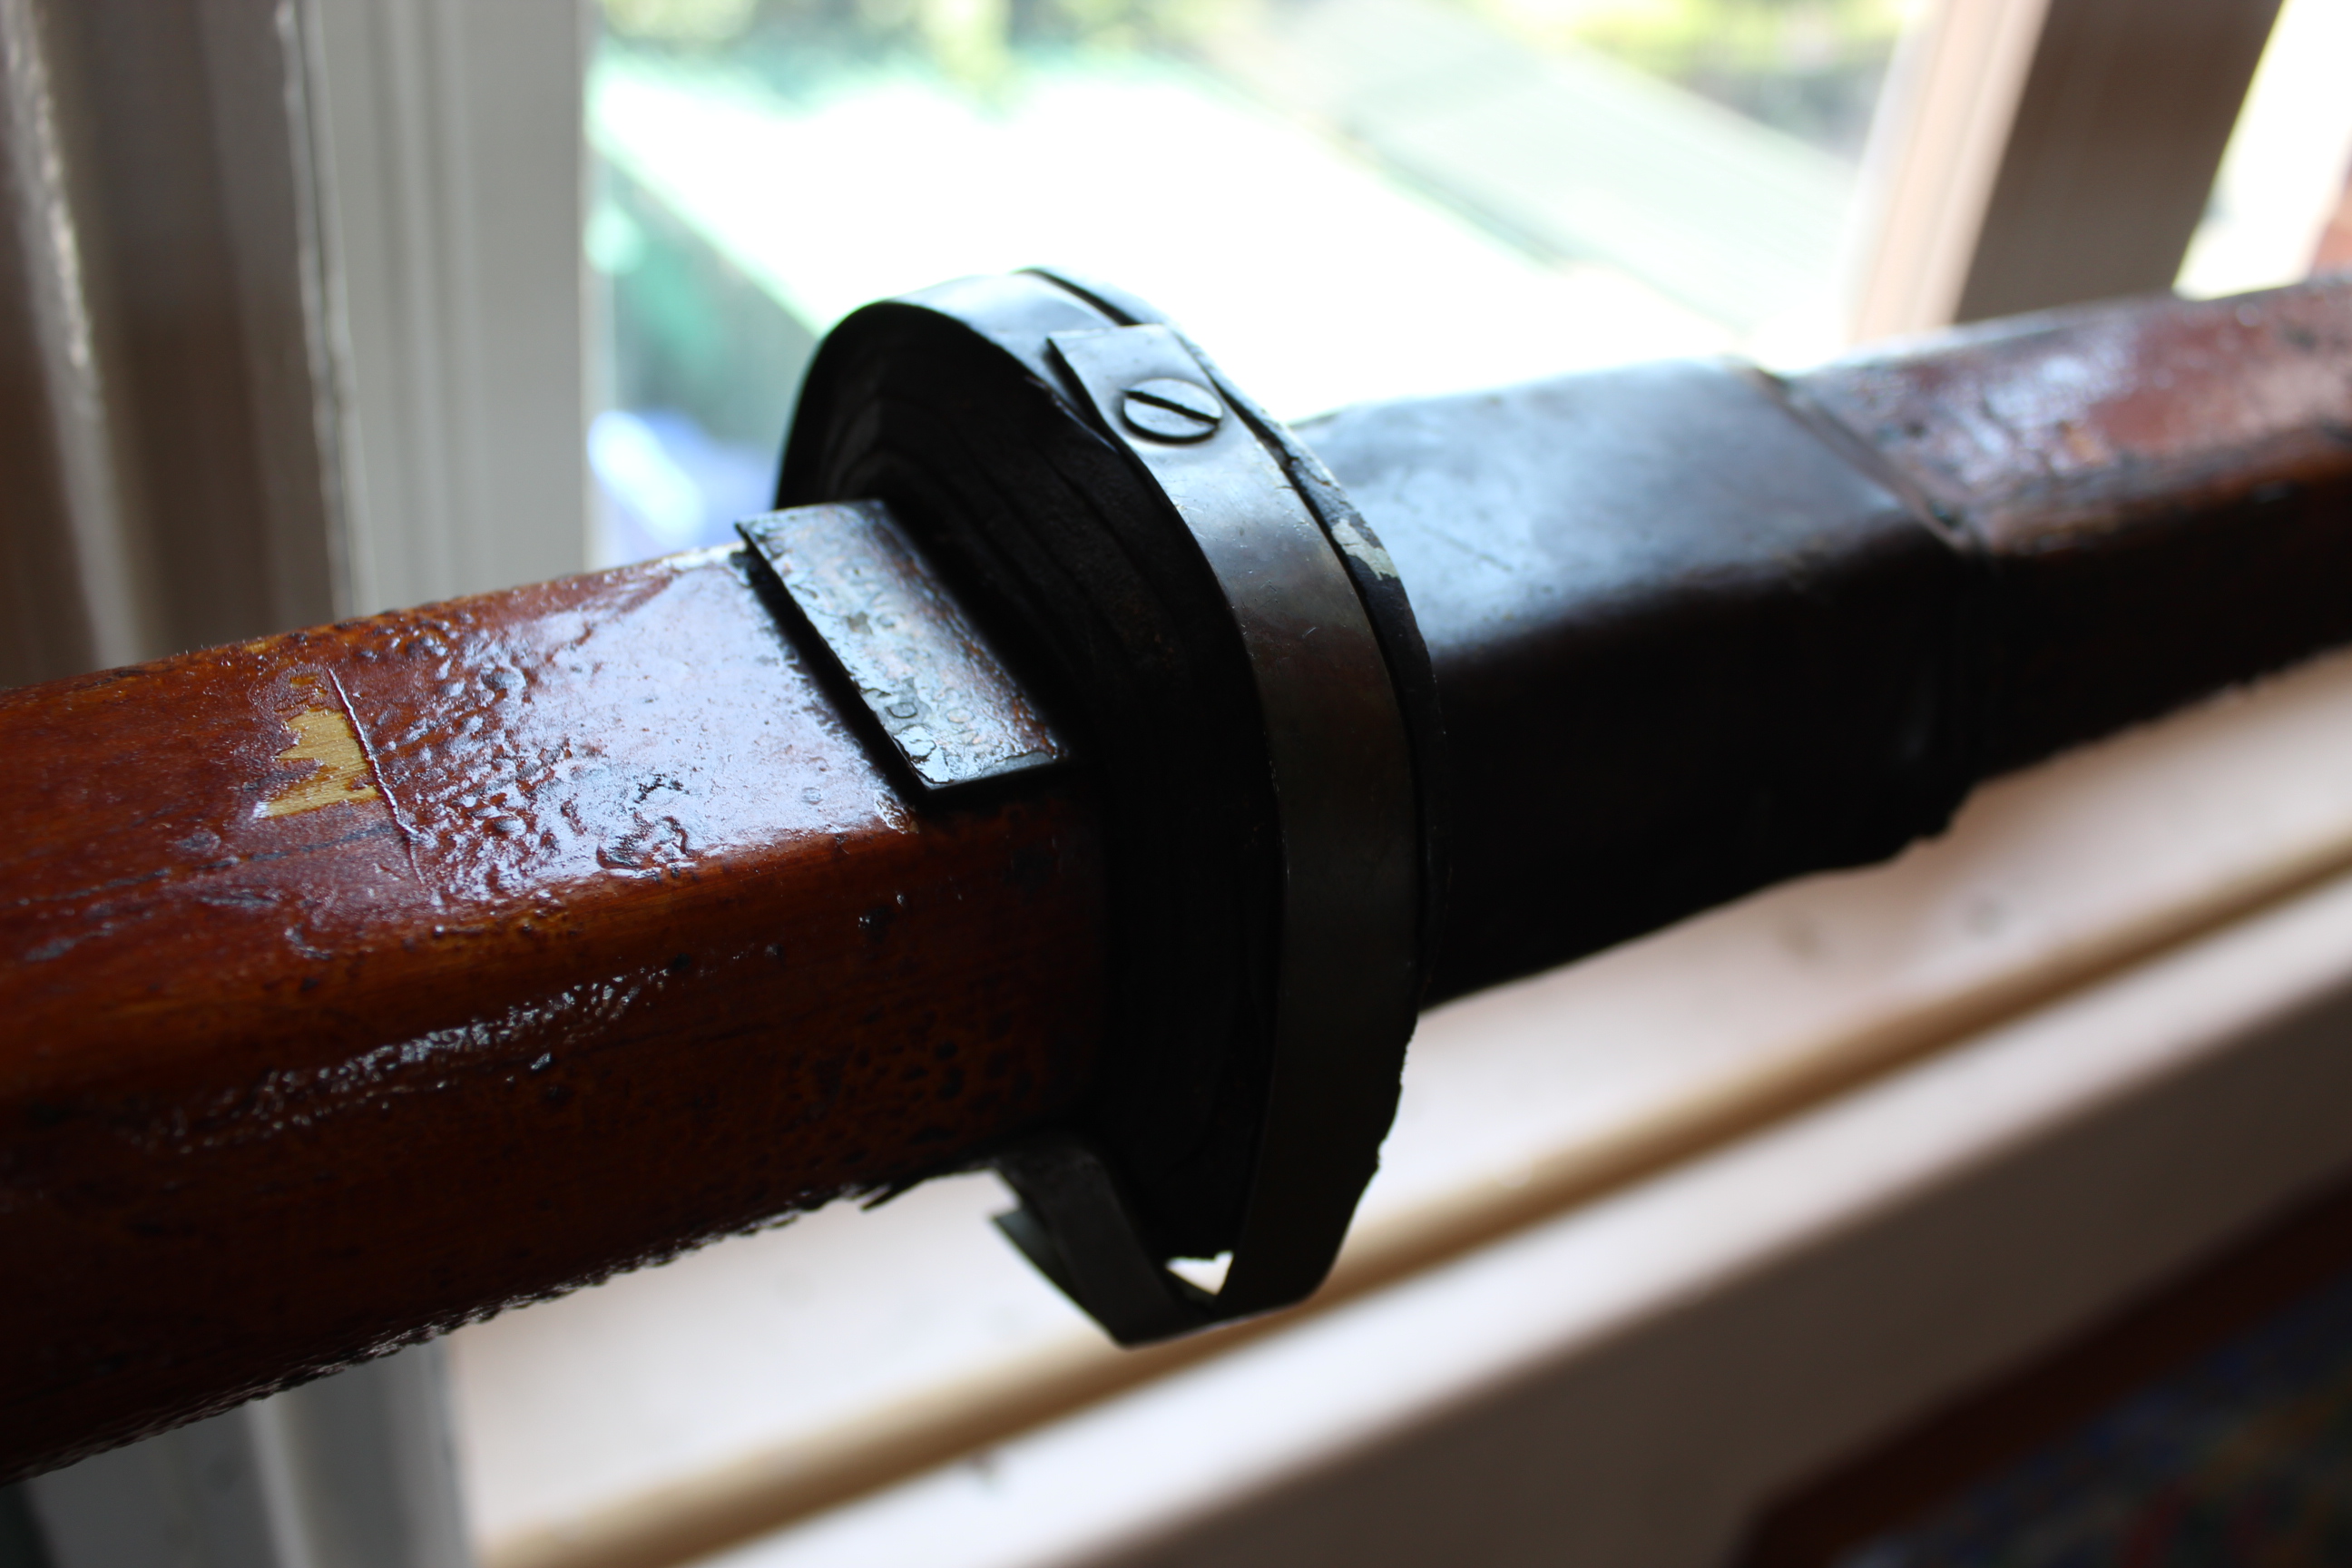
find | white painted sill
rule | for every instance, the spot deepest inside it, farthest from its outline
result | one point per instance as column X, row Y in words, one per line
column 1656, row 1235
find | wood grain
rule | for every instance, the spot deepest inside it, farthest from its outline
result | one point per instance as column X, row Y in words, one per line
column 2161, row 490
column 363, row 980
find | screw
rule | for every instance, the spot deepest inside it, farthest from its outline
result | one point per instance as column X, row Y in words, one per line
column 1166, row 409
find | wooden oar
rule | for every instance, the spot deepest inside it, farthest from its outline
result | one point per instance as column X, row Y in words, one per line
column 363, row 980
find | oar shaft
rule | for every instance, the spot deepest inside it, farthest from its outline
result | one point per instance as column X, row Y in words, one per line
column 367, row 979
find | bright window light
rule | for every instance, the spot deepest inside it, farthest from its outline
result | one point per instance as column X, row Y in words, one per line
column 1343, row 199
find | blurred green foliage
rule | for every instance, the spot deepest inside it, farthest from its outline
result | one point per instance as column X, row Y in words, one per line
column 1810, row 68
column 973, row 42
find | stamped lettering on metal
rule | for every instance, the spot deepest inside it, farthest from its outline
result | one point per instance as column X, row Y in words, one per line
column 918, row 661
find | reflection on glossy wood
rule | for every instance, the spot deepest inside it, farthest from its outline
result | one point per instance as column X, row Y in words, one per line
column 2163, row 490
column 365, row 979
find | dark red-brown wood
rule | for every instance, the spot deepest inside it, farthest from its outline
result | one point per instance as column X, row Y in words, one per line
column 2162, row 493
column 632, row 945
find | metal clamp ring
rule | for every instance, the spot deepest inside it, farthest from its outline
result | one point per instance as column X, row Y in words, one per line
column 1243, row 676
column 1343, row 783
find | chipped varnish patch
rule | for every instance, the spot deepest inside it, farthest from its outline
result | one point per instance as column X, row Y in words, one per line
column 325, row 739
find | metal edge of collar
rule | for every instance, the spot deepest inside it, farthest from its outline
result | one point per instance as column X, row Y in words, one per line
column 1347, row 736
column 1343, row 768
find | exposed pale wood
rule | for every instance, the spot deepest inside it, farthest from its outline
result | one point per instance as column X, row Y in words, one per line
column 324, row 739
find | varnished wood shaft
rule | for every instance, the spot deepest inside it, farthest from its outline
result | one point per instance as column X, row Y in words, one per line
column 2161, row 492
column 363, row 980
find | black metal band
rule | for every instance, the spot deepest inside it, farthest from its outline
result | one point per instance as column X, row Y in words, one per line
column 1138, row 538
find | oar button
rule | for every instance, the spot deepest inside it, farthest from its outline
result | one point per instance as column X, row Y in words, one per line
column 1166, row 409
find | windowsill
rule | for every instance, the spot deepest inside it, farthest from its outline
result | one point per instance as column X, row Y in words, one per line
column 1613, row 1105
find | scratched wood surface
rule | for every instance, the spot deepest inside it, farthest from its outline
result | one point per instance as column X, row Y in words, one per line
column 369, row 977
column 2163, row 490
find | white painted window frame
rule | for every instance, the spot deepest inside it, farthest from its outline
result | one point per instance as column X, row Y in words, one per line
column 2043, row 152
column 290, row 314
column 454, row 192
column 1632, row 1383
column 395, row 197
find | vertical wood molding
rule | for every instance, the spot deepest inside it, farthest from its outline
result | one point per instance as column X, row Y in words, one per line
column 2045, row 153
column 76, row 590
column 2118, row 137
column 451, row 145
column 260, row 124
column 290, row 314
column 198, row 503
column 1952, row 99
column 356, row 1470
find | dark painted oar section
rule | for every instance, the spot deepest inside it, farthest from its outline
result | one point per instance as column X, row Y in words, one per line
column 1685, row 647
column 1697, row 631
column 368, row 978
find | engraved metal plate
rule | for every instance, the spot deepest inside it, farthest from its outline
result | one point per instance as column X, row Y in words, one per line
column 921, row 666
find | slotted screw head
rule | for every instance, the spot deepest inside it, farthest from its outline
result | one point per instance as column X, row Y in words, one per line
column 1166, row 409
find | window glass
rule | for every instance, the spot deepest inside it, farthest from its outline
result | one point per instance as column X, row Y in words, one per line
column 1344, row 199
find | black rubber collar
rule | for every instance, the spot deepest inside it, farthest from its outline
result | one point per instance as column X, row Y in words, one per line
column 1240, row 668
